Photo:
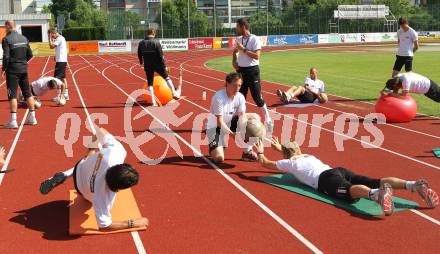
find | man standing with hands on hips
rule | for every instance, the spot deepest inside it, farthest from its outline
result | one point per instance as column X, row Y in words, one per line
column 16, row 54
column 245, row 60
column 58, row 42
column 408, row 44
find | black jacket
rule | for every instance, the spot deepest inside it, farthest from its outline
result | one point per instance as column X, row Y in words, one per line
column 16, row 53
column 150, row 53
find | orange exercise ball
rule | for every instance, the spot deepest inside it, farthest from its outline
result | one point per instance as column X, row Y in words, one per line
column 162, row 92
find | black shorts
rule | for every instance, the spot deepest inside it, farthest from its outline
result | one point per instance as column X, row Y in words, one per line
column 338, row 181
column 251, row 81
column 433, row 92
column 401, row 61
column 306, row 97
column 13, row 80
column 159, row 70
column 216, row 137
column 60, row 70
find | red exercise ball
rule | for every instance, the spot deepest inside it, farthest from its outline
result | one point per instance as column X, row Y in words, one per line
column 161, row 91
column 397, row 110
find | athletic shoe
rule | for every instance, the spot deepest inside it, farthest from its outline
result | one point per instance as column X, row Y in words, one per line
column 11, row 125
column 269, row 126
column 55, row 99
column 37, row 104
column 48, row 185
column 31, row 121
column 251, row 156
column 426, row 193
column 386, row 199
column 279, row 93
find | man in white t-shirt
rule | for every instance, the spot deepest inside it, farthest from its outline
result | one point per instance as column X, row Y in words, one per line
column 246, row 61
column 340, row 182
column 227, row 116
column 98, row 177
column 412, row 82
column 43, row 85
column 313, row 89
column 58, row 42
column 408, row 44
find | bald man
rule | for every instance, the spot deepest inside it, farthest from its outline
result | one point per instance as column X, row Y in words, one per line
column 16, row 54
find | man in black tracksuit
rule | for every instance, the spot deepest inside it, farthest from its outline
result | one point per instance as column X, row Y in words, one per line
column 16, row 54
column 151, row 56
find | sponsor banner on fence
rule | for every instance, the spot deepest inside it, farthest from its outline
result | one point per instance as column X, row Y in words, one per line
column 83, row 47
column 134, row 45
column 350, row 38
column 174, row 44
column 200, row 43
column 380, row 37
column 41, row 49
column 322, row 38
column 280, row 40
column 263, row 40
column 225, row 42
column 232, row 42
column 217, row 43
column 114, row 46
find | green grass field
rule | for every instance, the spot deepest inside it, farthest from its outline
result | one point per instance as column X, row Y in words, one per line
column 356, row 75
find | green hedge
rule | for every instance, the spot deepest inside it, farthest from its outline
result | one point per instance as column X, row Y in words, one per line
column 84, row 33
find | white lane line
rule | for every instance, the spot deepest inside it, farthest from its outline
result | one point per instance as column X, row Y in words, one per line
column 425, row 216
column 278, row 219
column 17, row 136
column 134, row 234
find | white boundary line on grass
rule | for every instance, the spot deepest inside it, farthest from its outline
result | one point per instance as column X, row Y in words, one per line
column 20, row 129
column 222, row 173
column 425, row 216
column 134, row 234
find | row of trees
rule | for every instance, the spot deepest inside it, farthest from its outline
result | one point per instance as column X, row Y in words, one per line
column 85, row 22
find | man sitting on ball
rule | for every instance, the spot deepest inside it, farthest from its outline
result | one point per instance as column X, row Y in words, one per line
column 411, row 82
column 43, row 85
column 228, row 113
column 340, row 182
column 312, row 90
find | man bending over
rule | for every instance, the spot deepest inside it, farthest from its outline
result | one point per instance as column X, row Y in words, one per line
column 340, row 182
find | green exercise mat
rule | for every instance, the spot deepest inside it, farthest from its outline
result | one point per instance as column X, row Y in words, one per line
column 363, row 206
column 436, row 152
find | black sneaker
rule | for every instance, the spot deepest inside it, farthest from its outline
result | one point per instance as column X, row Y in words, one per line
column 48, row 185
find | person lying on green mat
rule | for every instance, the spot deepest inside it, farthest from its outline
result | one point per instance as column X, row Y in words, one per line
column 340, row 182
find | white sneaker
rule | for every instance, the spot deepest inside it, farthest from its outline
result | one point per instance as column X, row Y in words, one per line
column 55, row 99
column 31, row 121
column 37, row 104
column 11, row 125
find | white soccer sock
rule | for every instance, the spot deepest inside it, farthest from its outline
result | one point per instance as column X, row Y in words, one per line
column 266, row 113
column 374, row 194
column 153, row 98
column 68, row 172
column 171, row 85
column 13, row 116
column 410, row 185
column 66, row 92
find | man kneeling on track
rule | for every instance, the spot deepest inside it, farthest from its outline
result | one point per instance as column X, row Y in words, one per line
column 228, row 113
column 43, row 85
column 411, row 82
column 98, row 177
column 312, row 90
column 340, row 182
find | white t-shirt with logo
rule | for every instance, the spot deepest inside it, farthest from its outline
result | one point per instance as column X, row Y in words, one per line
column 251, row 43
column 317, row 86
column 40, row 86
column 222, row 105
column 415, row 83
column 102, row 198
column 306, row 168
column 406, row 43
column 61, row 49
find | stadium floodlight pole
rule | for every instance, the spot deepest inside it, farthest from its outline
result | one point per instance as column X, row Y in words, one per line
column 215, row 20
column 267, row 17
column 161, row 20
column 189, row 29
